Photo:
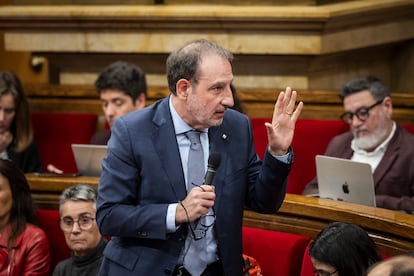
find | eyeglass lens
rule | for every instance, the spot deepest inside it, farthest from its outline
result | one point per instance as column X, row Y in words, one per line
column 84, row 223
column 362, row 113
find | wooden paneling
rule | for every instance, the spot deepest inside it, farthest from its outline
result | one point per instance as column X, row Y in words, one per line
column 258, row 102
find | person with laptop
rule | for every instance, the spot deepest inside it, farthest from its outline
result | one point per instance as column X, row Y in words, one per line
column 375, row 138
column 122, row 88
column 77, row 207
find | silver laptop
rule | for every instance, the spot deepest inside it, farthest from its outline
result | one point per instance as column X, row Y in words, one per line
column 88, row 158
column 345, row 180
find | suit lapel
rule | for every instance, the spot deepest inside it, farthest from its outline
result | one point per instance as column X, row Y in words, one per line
column 167, row 149
column 218, row 138
column 389, row 157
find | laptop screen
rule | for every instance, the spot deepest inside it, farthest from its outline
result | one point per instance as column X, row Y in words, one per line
column 88, row 158
column 345, row 180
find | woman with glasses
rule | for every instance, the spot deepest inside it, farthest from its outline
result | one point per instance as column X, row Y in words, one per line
column 24, row 248
column 16, row 133
column 343, row 249
column 77, row 209
column 375, row 138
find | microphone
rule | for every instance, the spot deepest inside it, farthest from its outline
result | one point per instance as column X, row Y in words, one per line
column 213, row 163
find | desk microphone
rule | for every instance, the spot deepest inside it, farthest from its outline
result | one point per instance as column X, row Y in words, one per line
column 213, row 163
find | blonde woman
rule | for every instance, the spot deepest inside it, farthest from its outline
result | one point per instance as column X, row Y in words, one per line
column 16, row 133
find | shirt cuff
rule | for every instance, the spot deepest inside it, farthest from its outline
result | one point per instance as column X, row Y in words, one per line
column 286, row 158
column 170, row 219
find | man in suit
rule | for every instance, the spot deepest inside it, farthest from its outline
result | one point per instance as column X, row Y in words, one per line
column 374, row 138
column 143, row 202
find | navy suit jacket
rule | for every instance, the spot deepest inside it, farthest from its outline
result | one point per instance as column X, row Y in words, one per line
column 142, row 174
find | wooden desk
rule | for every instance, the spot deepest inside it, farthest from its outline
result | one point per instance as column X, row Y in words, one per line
column 392, row 231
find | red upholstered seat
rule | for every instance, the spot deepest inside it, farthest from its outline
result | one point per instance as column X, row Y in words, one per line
column 311, row 138
column 48, row 220
column 277, row 253
column 55, row 132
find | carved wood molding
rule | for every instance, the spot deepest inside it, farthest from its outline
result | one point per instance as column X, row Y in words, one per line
column 238, row 28
column 258, row 102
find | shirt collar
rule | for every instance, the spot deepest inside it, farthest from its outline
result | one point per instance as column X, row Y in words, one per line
column 180, row 126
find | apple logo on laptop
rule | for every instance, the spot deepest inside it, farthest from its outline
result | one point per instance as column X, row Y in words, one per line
column 345, row 188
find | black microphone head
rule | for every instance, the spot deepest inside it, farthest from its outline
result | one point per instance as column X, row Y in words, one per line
column 214, row 160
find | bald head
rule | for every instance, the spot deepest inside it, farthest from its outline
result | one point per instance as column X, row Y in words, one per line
column 401, row 265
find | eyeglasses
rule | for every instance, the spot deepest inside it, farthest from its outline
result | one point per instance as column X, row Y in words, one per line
column 361, row 113
column 320, row 272
column 84, row 223
column 199, row 228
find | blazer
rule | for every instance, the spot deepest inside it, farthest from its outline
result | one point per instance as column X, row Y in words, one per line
column 394, row 175
column 142, row 174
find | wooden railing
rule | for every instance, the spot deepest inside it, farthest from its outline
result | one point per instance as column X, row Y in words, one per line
column 392, row 231
column 257, row 102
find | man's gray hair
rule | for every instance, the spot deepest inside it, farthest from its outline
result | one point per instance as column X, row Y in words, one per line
column 79, row 192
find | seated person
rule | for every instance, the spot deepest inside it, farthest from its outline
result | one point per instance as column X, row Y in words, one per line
column 122, row 88
column 24, row 248
column 77, row 208
column 400, row 265
column 16, row 133
column 376, row 139
column 343, row 249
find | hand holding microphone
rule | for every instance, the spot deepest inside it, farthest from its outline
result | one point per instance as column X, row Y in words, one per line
column 200, row 199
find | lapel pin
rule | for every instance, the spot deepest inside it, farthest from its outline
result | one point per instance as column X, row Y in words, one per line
column 224, row 136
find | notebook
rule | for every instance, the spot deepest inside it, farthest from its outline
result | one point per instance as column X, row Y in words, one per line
column 88, row 158
column 345, row 180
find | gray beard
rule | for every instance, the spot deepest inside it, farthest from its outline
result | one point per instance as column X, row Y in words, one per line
column 371, row 141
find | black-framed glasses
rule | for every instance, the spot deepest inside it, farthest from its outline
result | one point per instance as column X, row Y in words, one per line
column 199, row 228
column 361, row 113
column 321, row 272
column 84, row 223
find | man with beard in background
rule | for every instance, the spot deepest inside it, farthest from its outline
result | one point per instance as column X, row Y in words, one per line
column 376, row 139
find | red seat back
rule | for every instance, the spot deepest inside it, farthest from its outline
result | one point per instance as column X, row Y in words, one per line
column 55, row 132
column 311, row 138
column 48, row 220
column 277, row 253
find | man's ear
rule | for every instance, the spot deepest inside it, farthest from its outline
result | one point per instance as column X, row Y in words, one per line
column 387, row 102
column 140, row 101
column 183, row 88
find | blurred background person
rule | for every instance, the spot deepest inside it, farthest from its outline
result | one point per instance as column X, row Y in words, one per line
column 77, row 207
column 343, row 249
column 16, row 133
column 122, row 88
column 24, row 248
column 399, row 265
column 376, row 139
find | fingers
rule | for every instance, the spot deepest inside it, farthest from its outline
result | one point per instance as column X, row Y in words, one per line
column 285, row 104
column 199, row 201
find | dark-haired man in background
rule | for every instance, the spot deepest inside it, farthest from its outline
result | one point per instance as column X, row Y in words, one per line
column 122, row 88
